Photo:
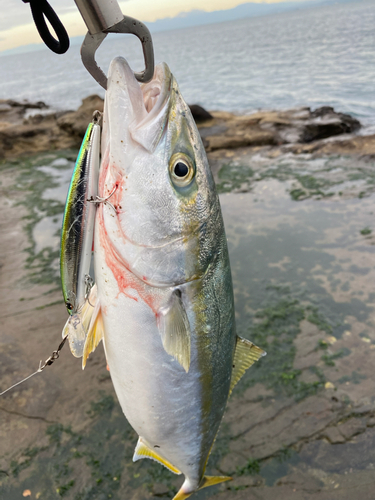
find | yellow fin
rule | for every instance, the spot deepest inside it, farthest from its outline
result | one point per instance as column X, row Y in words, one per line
column 144, row 451
column 245, row 355
column 174, row 330
column 181, row 495
column 211, row 480
column 206, row 481
column 94, row 334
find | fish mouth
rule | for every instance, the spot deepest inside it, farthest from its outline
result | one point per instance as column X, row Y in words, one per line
column 148, row 130
column 140, row 110
column 157, row 91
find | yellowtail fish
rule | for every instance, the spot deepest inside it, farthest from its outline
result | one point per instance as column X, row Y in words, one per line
column 77, row 237
column 163, row 295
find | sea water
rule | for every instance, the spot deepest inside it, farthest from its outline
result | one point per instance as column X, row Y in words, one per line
column 309, row 57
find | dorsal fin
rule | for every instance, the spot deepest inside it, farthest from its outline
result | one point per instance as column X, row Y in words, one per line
column 245, row 355
column 144, row 451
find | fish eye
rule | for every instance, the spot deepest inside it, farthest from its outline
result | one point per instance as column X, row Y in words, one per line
column 69, row 306
column 181, row 170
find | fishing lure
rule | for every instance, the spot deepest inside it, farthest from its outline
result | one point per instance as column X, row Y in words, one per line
column 77, row 237
column 76, row 246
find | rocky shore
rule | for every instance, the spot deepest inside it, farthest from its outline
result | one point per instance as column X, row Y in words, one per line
column 297, row 195
column 25, row 131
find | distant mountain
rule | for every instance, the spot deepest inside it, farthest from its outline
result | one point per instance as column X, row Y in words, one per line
column 200, row 17
column 250, row 9
column 32, row 47
column 22, row 49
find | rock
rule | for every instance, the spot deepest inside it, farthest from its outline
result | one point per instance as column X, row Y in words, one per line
column 322, row 111
column 352, row 427
column 219, row 130
column 270, row 128
column 243, row 482
column 75, row 122
column 304, row 125
column 360, row 145
column 251, row 138
column 231, row 462
column 301, row 480
column 9, row 114
column 43, row 132
column 27, row 105
column 325, row 122
column 160, row 489
column 333, row 435
column 32, row 138
column 200, row 115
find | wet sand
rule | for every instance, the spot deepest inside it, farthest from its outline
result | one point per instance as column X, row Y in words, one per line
column 300, row 424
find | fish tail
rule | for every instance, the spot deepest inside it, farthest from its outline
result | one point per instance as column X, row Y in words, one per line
column 186, row 490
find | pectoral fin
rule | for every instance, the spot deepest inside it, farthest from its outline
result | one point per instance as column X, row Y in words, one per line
column 94, row 333
column 245, row 355
column 174, row 330
column 144, row 451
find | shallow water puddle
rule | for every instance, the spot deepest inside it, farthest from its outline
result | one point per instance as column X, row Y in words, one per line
column 304, row 290
column 302, row 417
column 315, row 247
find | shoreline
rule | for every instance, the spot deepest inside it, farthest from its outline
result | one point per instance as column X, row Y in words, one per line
column 300, row 130
column 301, row 238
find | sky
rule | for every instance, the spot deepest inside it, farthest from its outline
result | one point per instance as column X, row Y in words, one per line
column 17, row 27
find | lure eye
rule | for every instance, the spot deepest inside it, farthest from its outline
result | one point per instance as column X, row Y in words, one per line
column 69, row 306
column 181, row 170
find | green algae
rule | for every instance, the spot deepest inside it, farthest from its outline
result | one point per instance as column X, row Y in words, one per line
column 102, row 452
column 279, row 466
column 251, row 467
column 313, row 177
column 103, row 405
column 316, row 318
column 329, row 359
column 297, row 194
column 322, row 344
column 33, row 178
column 17, row 466
column 232, row 177
column 279, row 312
column 354, row 378
column 274, row 328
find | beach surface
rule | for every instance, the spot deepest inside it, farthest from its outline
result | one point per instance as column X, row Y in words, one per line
column 299, row 216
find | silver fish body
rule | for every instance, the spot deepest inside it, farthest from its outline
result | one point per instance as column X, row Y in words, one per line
column 164, row 289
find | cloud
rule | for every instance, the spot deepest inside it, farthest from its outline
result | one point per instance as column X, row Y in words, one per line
column 18, row 13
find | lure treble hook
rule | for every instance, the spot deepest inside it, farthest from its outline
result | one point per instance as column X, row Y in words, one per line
column 102, row 17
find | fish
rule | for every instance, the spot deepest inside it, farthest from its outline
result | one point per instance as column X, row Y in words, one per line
column 77, row 238
column 163, row 296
